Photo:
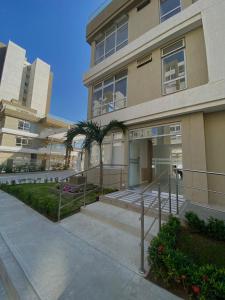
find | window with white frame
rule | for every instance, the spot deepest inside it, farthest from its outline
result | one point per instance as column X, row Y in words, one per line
column 113, row 40
column 174, row 68
column 112, row 151
column 169, row 8
column 110, row 95
column 21, row 141
column 24, row 125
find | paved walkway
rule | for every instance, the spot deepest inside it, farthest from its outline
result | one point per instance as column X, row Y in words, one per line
column 60, row 265
column 3, row 295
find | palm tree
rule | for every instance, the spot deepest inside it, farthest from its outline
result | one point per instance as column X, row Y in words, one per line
column 69, row 148
column 93, row 133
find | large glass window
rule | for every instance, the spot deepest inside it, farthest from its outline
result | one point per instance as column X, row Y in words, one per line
column 112, row 151
column 114, row 39
column 169, row 8
column 24, row 125
column 110, row 95
column 173, row 68
column 20, row 141
column 99, row 52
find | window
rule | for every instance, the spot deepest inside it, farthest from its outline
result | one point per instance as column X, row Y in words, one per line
column 24, row 125
column 169, row 8
column 110, row 95
column 20, row 141
column 112, row 150
column 173, row 68
column 114, row 39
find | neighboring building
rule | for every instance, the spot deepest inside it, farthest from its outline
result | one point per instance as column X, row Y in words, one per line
column 27, row 131
column 158, row 65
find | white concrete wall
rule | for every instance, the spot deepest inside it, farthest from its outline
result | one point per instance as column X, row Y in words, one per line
column 214, row 32
column 38, row 86
column 12, row 72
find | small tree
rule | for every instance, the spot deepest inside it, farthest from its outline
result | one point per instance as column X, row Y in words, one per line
column 94, row 133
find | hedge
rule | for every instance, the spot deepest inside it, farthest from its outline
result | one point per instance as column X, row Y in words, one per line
column 174, row 267
column 213, row 228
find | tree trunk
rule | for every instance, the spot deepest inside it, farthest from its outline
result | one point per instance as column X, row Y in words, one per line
column 66, row 157
column 101, row 168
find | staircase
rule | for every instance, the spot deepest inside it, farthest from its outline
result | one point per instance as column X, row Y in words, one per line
column 113, row 230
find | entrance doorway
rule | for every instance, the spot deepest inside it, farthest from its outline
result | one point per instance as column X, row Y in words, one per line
column 152, row 151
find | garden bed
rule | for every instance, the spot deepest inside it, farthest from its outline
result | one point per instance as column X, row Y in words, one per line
column 41, row 198
column 187, row 261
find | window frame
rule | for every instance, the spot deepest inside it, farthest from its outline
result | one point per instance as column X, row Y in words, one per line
column 162, row 16
column 114, row 138
column 24, row 127
column 116, row 48
column 21, row 144
column 101, row 86
column 172, row 52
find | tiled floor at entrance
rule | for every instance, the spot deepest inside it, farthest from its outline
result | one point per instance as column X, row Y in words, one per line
column 150, row 199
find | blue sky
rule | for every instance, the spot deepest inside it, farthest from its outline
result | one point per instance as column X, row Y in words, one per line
column 54, row 30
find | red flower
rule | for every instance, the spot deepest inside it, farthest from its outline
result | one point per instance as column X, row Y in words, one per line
column 196, row 289
column 160, row 249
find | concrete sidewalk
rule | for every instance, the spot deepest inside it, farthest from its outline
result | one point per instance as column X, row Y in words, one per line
column 3, row 295
column 60, row 265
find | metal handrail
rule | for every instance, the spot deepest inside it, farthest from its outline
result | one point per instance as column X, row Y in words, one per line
column 202, row 172
column 84, row 185
column 153, row 182
column 80, row 173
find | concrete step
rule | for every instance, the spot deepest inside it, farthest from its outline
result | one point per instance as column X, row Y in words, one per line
column 117, row 244
column 14, row 280
column 120, row 218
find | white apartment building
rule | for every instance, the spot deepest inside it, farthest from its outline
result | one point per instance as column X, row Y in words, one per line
column 30, row 138
column 158, row 65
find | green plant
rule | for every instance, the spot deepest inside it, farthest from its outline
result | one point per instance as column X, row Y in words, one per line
column 171, row 265
column 214, row 228
column 93, row 133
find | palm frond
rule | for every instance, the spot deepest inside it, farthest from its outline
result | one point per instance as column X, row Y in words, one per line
column 114, row 124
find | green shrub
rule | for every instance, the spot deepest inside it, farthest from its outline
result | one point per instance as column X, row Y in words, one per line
column 205, row 282
column 214, row 228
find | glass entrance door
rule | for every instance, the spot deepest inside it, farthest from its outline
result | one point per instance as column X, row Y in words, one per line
column 134, row 163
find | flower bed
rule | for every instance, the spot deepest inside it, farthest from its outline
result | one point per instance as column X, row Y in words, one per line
column 172, row 266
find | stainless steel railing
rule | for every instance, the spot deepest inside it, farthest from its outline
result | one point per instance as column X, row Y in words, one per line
column 178, row 185
column 199, row 188
column 120, row 182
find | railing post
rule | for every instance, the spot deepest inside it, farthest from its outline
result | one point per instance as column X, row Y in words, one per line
column 121, row 179
column 159, row 200
column 142, row 266
column 177, row 191
column 60, row 202
column 170, row 208
column 85, row 189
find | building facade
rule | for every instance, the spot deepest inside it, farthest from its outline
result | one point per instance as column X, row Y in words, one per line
column 29, row 136
column 158, row 66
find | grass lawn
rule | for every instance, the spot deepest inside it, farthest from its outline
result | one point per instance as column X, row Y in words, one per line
column 41, row 198
column 201, row 249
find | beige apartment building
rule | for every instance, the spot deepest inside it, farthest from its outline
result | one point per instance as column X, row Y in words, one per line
column 30, row 138
column 158, row 65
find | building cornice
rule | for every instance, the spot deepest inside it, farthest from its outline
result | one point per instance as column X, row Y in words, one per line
column 19, row 132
